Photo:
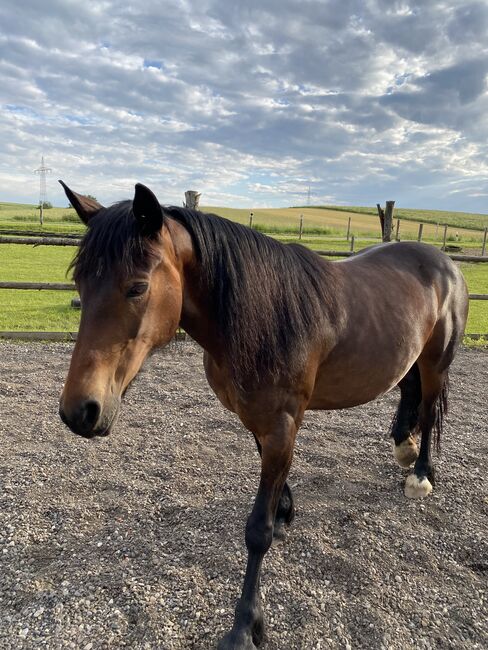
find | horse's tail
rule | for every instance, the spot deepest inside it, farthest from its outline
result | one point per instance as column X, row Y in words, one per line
column 441, row 411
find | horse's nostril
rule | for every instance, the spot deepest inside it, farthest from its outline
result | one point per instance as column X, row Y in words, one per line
column 91, row 413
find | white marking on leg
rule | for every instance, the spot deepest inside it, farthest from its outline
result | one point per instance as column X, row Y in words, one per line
column 417, row 489
column 406, row 452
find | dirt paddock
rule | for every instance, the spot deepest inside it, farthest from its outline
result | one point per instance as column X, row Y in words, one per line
column 136, row 540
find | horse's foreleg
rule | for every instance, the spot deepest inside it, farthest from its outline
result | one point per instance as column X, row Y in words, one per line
column 276, row 455
column 285, row 512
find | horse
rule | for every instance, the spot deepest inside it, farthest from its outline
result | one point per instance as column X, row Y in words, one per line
column 282, row 330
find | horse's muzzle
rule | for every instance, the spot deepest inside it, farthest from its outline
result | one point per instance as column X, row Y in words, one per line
column 87, row 420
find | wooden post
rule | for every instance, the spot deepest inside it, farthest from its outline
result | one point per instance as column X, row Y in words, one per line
column 301, row 227
column 421, row 227
column 445, row 238
column 352, row 244
column 381, row 215
column 250, row 219
column 436, row 231
column 397, row 233
column 483, row 248
column 192, row 199
column 41, row 216
column 386, row 219
column 348, row 229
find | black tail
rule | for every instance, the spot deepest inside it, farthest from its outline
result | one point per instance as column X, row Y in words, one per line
column 441, row 412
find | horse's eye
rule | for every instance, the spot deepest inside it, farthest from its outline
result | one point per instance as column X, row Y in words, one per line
column 137, row 290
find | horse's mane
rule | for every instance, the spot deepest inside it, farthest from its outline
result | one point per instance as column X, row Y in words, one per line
column 269, row 299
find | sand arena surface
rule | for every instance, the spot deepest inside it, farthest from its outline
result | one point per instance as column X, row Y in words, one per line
column 137, row 540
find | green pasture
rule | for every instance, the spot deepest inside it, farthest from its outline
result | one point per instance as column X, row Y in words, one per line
column 454, row 219
column 326, row 222
column 43, row 311
column 51, row 311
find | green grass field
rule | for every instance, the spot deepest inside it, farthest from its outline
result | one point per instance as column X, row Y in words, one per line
column 51, row 311
column 464, row 229
column 42, row 311
column 454, row 219
column 324, row 229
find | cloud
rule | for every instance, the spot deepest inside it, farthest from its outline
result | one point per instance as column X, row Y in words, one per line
column 247, row 102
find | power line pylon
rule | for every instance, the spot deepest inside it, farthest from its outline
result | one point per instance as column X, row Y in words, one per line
column 42, row 171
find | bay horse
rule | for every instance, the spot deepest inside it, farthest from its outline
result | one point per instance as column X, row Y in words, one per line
column 282, row 331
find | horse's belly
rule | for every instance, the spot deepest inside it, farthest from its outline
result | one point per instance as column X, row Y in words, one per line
column 352, row 381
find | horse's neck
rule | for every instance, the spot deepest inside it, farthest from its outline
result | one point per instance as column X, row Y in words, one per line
column 196, row 316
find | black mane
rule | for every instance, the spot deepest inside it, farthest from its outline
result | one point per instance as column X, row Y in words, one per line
column 269, row 298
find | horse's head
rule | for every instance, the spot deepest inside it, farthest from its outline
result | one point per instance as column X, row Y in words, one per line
column 130, row 283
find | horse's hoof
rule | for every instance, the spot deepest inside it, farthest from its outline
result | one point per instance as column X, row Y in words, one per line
column 416, row 488
column 237, row 641
column 406, row 453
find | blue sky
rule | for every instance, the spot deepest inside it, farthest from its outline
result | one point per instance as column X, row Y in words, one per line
column 248, row 102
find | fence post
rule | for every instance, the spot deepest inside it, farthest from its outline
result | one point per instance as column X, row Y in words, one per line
column 192, row 199
column 436, row 231
column 250, row 219
column 352, row 244
column 301, row 227
column 421, row 227
column 445, row 238
column 386, row 219
column 397, row 233
column 348, row 229
column 483, row 248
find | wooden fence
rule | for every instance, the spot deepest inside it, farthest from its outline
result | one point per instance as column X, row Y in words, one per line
column 72, row 240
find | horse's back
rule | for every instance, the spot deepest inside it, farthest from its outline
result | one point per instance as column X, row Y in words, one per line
column 404, row 271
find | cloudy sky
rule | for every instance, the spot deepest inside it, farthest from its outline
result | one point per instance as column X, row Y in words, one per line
column 248, row 101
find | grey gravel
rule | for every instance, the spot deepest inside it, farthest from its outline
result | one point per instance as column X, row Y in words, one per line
column 136, row 540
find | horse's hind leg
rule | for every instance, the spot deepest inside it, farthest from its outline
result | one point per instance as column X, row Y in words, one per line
column 431, row 413
column 433, row 365
column 406, row 418
column 285, row 512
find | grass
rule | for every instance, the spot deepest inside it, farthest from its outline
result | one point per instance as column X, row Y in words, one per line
column 42, row 311
column 453, row 219
column 325, row 229
column 38, row 311
column 476, row 276
column 51, row 311
column 19, row 263
column 324, row 221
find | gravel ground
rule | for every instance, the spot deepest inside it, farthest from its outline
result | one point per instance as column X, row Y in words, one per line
column 136, row 540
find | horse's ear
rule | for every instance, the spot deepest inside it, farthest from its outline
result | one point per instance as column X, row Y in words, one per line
column 85, row 206
column 147, row 210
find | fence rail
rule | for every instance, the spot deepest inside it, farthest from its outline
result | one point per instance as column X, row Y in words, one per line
column 37, row 233
column 40, row 241
column 63, row 241
column 73, row 240
column 58, row 286
column 49, row 286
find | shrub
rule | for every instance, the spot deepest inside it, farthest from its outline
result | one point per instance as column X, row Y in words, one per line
column 72, row 217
